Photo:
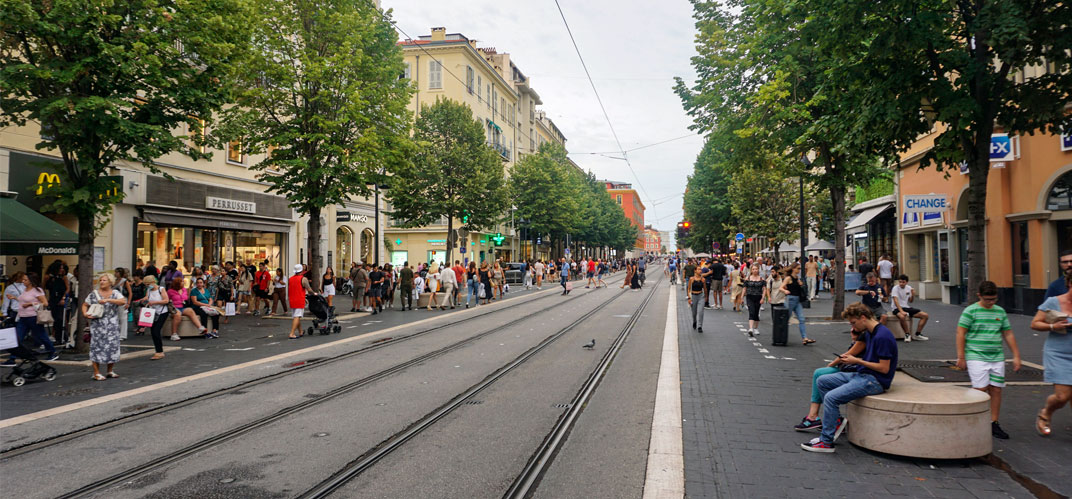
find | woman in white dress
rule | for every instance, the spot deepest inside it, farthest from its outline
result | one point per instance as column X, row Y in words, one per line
column 433, row 285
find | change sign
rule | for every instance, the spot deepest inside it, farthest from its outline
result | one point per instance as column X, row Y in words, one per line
column 920, row 203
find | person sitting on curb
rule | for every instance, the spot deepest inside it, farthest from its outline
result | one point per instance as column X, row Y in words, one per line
column 873, row 375
column 902, row 294
column 812, row 420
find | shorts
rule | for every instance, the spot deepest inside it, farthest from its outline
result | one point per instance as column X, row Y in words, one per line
column 223, row 295
column 911, row 311
column 591, row 275
column 375, row 292
column 359, row 291
column 984, row 374
column 298, row 312
column 878, row 311
column 329, row 290
column 715, row 285
column 260, row 293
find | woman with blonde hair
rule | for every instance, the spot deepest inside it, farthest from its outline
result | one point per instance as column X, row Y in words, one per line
column 104, row 330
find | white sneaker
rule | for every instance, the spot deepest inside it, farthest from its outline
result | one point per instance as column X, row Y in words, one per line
column 175, row 337
column 908, row 338
column 920, row 337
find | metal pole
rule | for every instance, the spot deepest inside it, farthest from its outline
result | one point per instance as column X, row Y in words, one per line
column 376, row 222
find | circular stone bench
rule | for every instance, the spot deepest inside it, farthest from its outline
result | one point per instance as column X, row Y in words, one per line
column 925, row 420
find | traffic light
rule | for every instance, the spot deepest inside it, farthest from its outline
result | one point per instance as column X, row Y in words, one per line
column 465, row 217
column 683, row 229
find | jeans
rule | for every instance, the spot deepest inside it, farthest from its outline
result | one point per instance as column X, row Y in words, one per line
column 37, row 332
column 794, row 306
column 155, row 331
column 697, row 309
column 565, row 277
column 842, row 388
column 473, row 286
column 816, row 397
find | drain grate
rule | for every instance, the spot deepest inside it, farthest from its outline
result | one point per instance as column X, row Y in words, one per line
column 562, row 406
column 941, row 371
column 474, row 402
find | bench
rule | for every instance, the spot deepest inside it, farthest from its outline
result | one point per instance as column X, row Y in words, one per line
column 922, row 420
column 186, row 328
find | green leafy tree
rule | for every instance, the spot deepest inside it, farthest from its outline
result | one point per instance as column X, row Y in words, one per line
column 544, row 189
column 707, row 202
column 322, row 95
column 454, row 173
column 766, row 94
column 766, row 204
column 111, row 81
column 914, row 63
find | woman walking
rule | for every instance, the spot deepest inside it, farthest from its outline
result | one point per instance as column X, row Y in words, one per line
column 1053, row 317
column 755, row 292
column 736, row 290
column 628, row 276
column 201, row 303
column 472, row 283
column 32, row 300
column 485, row 282
column 697, row 287
column 245, row 285
column 156, row 298
column 104, row 330
column 634, row 273
column 497, row 279
column 327, row 283
column 58, row 288
column 122, row 284
column 179, row 296
column 794, row 291
column 433, row 285
column 279, row 291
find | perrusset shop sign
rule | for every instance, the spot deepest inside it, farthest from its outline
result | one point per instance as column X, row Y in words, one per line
column 221, row 204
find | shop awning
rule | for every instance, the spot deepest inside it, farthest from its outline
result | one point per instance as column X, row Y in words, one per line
column 861, row 219
column 24, row 231
column 820, row 246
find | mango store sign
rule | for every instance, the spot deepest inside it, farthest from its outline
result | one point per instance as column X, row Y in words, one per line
column 919, row 203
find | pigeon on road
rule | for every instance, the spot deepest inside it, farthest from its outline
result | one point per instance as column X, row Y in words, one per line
column 590, row 345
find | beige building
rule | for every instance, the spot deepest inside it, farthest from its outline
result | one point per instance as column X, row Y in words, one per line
column 445, row 65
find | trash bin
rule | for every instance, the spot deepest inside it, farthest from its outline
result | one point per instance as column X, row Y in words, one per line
column 780, row 328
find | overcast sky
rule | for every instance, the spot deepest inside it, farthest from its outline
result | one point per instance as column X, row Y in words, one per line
column 633, row 50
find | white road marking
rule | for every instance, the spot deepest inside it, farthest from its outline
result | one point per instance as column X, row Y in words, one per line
column 350, row 327
column 770, row 357
column 238, row 349
column 763, row 350
column 665, row 475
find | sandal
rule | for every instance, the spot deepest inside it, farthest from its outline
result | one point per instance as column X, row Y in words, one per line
column 112, row 375
column 1043, row 429
column 98, row 377
column 808, row 341
column 157, row 356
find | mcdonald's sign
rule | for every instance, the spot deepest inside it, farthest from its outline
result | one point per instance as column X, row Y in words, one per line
column 32, row 177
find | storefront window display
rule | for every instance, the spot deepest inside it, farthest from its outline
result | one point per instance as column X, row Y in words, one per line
column 191, row 246
column 344, row 247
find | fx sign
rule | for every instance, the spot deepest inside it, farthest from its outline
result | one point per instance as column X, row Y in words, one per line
column 1001, row 147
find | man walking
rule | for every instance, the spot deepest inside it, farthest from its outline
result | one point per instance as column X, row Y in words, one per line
column 539, row 268
column 1059, row 287
column 885, row 273
column 297, row 287
column 714, row 285
column 449, row 280
column 459, row 279
column 811, row 273
column 564, row 271
column 361, row 284
column 591, row 272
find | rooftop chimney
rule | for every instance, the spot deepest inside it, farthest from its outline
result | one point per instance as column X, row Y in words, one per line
column 438, row 33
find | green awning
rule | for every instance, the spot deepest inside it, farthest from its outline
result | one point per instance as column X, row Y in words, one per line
column 24, row 231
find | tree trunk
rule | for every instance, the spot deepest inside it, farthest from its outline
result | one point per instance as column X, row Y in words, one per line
column 86, row 236
column 837, row 196
column 314, row 248
column 450, row 241
column 978, row 156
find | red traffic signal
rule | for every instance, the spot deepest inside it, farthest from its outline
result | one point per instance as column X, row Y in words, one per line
column 686, row 225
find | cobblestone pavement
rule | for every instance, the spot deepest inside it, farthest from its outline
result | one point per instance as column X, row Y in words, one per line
column 739, row 407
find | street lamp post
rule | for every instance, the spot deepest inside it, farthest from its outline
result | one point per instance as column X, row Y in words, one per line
column 803, row 224
column 376, row 221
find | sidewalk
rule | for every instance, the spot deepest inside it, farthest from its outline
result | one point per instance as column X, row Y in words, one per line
column 739, row 405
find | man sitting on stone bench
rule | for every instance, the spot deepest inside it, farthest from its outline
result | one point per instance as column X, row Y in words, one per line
column 873, row 375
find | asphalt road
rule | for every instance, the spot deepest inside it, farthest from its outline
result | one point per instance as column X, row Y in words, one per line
column 474, row 451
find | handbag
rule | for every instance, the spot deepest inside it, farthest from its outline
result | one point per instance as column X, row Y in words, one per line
column 96, row 310
column 482, row 294
column 211, row 311
column 146, row 317
column 44, row 316
column 1052, row 316
column 229, row 310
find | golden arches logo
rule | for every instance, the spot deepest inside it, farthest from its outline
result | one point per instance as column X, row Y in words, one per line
column 46, row 180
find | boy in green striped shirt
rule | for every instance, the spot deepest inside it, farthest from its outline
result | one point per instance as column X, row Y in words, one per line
column 980, row 331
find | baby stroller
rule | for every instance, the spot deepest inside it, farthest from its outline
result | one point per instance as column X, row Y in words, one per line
column 29, row 368
column 324, row 320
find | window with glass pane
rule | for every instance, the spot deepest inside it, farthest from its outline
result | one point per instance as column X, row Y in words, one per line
column 234, row 152
column 1061, row 195
column 469, row 78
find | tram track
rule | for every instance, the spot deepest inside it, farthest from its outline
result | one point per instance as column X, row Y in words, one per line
column 300, row 367
column 248, row 427
column 537, row 465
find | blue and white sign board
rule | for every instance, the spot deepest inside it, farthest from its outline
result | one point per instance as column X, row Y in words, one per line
column 1066, row 141
column 918, row 203
column 1001, row 147
column 740, row 249
column 739, row 237
column 567, row 252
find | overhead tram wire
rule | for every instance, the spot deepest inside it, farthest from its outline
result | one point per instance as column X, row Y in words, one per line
column 643, row 146
column 603, row 108
column 442, row 66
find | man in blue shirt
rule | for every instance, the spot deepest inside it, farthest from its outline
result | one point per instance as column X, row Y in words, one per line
column 1058, row 287
column 873, row 375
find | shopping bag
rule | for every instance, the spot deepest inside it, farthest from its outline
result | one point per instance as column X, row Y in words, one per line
column 506, row 288
column 482, row 294
column 8, row 338
column 229, row 310
column 569, row 285
column 146, row 317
